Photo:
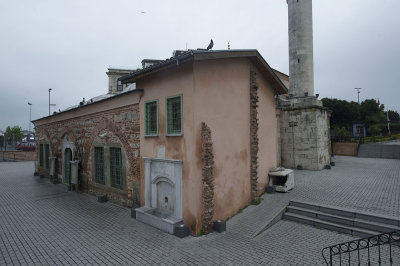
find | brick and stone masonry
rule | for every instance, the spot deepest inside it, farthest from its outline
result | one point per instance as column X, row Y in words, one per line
column 207, row 158
column 253, row 135
column 118, row 126
column 304, row 133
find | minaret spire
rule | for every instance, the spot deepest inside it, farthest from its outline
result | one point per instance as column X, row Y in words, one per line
column 301, row 62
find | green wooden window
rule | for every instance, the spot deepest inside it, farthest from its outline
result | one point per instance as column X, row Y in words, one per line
column 174, row 115
column 151, row 118
column 116, row 167
column 41, row 155
column 47, row 155
column 99, row 165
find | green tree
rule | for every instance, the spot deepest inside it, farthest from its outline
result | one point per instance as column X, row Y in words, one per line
column 341, row 132
column 371, row 113
column 374, row 130
column 16, row 131
column 343, row 112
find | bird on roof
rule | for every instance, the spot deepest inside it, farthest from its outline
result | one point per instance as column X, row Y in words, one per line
column 210, row 46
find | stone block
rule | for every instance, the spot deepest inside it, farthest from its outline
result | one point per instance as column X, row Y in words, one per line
column 219, row 226
column 270, row 190
column 102, row 198
column 181, row 231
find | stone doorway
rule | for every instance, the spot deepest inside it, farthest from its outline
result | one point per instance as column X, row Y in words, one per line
column 67, row 165
column 67, row 156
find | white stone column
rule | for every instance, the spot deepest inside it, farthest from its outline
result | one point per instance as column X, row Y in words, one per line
column 301, row 64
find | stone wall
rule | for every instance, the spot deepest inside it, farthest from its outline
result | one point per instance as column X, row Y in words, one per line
column 19, row 155
column 304, row 134
column 207, row 159
column 345, row 148
column 119, row 126
column 253, row 135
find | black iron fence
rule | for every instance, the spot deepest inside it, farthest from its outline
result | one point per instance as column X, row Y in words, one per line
column 382, row 249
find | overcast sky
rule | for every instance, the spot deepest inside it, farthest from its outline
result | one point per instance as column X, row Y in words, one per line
column 68, row 45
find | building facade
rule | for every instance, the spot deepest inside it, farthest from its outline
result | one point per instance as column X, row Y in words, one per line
column 104, row 137
column 192, row 143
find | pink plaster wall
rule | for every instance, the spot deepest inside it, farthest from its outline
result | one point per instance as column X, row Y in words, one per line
column 267, row 132
column 158, row 87
column 218, row 93
column 222, row 94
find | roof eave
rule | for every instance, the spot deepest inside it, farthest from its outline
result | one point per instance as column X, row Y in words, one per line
column 85, row 105
column 208, row 55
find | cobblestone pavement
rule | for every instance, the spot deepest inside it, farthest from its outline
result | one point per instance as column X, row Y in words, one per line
column 43, row 224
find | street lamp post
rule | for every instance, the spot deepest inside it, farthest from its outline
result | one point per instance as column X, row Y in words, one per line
column 358, row 94
column 388, row 123
column 49, row 100
column 30, row 117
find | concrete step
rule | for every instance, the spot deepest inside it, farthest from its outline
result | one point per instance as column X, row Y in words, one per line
column 354, row 222
column 355, row 231
column 347, row 221
column 388, row 220
column 379, row 151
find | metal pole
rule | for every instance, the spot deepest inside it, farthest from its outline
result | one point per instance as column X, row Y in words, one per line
column 358, row 94
column 49, row 100
column 30, row 116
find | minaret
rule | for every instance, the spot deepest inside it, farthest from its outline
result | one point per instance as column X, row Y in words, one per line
column 301, row 65
column 304, row 121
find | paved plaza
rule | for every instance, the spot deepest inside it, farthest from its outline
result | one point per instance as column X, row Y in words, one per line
column 44, row 224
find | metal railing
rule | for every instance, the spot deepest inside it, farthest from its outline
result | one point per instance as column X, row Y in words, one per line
column 382, row 249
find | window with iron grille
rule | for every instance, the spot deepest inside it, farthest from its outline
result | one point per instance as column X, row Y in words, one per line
column 116, row 167
column 174, row 115
column 99, row 165
column 41, row 155
column 47, row 155
column 151, row 118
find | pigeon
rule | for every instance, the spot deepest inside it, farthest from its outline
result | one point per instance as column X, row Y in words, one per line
column 210, row 46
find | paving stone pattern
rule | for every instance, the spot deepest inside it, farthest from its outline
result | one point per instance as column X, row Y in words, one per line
column 44, row 224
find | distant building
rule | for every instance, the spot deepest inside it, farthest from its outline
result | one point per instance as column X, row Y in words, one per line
column 358, row 129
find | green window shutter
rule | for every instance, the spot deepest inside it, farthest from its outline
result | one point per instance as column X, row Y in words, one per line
column 41, row 155
column 174, row 115
column 47, row 155
column 99, row 165
column 116, row 167
column 151, row 118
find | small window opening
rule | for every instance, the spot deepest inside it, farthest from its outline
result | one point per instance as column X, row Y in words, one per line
column 166, row 199
column 119, row 87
